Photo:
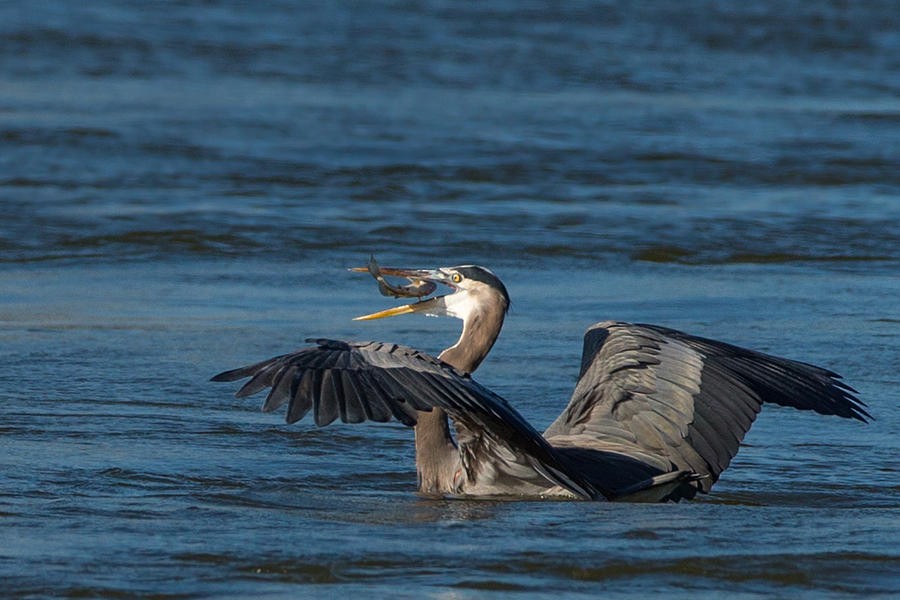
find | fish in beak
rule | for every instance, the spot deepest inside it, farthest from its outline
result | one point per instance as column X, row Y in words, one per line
column 422, row 283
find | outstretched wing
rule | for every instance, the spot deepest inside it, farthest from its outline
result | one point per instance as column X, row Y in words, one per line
column 360, row 381
column 660, row 396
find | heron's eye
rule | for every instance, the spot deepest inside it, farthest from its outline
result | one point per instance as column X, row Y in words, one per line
column 456, row 278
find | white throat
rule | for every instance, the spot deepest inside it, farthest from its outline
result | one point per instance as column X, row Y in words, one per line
column 461, row 305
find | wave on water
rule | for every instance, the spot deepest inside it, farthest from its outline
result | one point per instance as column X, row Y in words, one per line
column 833, row 572
column 669, row 254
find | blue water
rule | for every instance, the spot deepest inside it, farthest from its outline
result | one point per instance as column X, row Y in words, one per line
column 184, row 185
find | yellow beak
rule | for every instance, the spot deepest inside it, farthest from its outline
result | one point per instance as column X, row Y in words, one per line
column 429, row 306
column 391, row 312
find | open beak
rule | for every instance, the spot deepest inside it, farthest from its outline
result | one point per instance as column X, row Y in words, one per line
column 421, row 306
column 423, row 278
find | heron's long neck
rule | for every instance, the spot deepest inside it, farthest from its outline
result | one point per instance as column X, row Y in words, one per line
column 437, row 459
column 479, row 333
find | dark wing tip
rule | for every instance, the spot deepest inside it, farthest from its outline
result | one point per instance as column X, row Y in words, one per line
column 231, row 375
column 856, row 405
column 780, row 380
column 858, row 412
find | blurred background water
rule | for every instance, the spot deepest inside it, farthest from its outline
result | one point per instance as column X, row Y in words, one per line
column 183, row 185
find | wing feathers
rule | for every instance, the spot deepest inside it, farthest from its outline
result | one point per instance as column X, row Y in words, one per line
column 361, row 381
column 281, row 390
column 355, row 411
column 301, row 403
column 327, row 403
column 686, row 399
column 242, row 372
column 260, row 381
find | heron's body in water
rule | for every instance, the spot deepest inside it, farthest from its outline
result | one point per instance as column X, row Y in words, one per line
column 656, row 414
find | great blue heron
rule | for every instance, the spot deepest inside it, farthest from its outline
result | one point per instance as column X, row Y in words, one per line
column 656, row 414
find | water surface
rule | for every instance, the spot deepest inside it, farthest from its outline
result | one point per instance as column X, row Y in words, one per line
column 183, row 188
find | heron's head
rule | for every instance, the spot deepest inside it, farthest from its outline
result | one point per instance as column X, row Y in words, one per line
column 473, row 290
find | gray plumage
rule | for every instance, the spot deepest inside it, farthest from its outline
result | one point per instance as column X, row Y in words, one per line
column 656, row 414
column 668, row 398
